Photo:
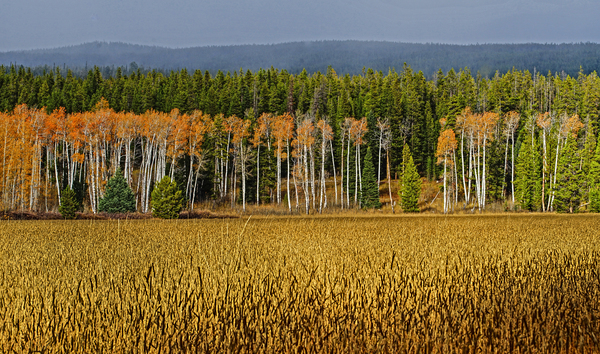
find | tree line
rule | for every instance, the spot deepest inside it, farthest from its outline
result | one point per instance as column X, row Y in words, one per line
column 522, row 138
column 345, row 56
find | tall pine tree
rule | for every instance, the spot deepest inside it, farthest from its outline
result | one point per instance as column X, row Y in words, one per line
column 569, row 179
column 594, row 181
column 528, row 178
column 411, row 184
column 370, row 189
column 118, row 197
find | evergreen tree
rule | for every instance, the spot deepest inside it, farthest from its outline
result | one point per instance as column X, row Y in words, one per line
column 166, row 199
column 118, row 197
column 594, row 181
column 569, row 179
column 594, row 169
column 370, row 191
column 527, row 171
column 68, row 204
column 595, row 200
column 411, row 184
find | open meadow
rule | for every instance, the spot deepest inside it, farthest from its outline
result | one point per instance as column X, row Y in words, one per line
column 404, row 284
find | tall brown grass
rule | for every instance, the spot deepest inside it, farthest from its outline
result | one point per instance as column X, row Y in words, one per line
column 508, row 283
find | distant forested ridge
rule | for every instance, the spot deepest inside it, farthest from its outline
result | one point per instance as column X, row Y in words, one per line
column 346, row 57
column 519, row 137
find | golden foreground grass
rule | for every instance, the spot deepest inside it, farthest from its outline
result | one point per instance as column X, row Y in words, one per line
column 398, row 284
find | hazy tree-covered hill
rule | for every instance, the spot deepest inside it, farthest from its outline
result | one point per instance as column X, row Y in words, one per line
column 344, row 56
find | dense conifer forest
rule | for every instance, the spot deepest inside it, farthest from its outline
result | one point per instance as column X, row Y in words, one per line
column 346, row 57
column 522, row 138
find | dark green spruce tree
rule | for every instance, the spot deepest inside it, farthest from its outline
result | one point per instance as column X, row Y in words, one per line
column 370, row 189
column 68, row 203
column 570, row 179
column 528, row 176
column 118, row 197
column 594, row 181
column 167, row 201
column 411, row 184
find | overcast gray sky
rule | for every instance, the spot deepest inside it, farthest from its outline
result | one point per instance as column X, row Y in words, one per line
column 30, row 24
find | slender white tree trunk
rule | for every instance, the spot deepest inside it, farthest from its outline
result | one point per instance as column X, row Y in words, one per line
column 56, row 174
column 279, row 175
column 462, row 160
column 243, row 163
column 348, row 175
column 312, row 177
column 389, row 176
column 512, row 170
column 306, row 181
column 258, row 177
column 379, row 160
column 342, row 176
column 288, row 179
column 334, row 174
column 445, row 189
column 555, row 172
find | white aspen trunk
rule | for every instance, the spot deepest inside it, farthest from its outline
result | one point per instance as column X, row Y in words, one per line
column 306, row 181
column 195, row 186
column 217, row 183
column 462, row 160
column 56, row 174
column 101, row 171
column 38, row 188
column 477, row 177
column 5, row 174
column 190, row 183
column 279, row 174
column 148, row 154
column 288, row 178
column 471, row 152
column 505, row 168
column 72, row 168
column 47, row 178
column 445, row 189
column 258, row 178
column 128, row 161
column 67, row 155
column 322, row 189
column 142, row 177
column 219, row 170
column 512, row 170
column 92, row 188
column 154, row 166
column 389, row 177
column 243, row 165
column 296, row 185
column 227, row 162
column 334, row 174
column 312, row 177
column 379, row 160
column 555, row 172
column 32, row 183
column 172, row 168
column 544, row 166
column 190, row 180
column 455, row 181
column 234, row 181
column 161, row 168
column 348, row 175
column 359, row 174
column 271, row 198
column 342, row 175
column 483, row 186
column 356, row 176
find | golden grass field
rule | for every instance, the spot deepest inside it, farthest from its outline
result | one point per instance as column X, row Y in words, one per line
column 408, row 284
